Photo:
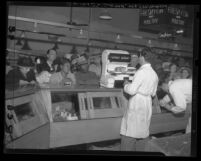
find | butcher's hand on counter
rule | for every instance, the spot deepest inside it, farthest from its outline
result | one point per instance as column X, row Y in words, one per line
column 168, row 106
column 126, row 82
column 32, row 82
column 162, row 103
column 22, row 82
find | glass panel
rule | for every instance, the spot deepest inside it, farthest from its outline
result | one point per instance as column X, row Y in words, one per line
column 65, row 106
column 117, row 102
column 102, row 102
column 24, row 111
column 86, row 105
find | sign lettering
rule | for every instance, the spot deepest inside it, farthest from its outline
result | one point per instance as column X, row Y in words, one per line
column 114, row 57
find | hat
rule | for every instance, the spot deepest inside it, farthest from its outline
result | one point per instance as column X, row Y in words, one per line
column 82, row 60
column 79, row 59
column 25, row 62
column 185, row 68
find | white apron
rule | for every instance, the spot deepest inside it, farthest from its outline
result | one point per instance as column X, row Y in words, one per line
column 137, row 118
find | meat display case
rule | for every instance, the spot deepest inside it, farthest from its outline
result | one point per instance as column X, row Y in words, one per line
column 24, row 112
column 71, row 116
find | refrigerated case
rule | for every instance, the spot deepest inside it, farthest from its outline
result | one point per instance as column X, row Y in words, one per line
column 83, row 115
column 58, row 117
column 23, row 114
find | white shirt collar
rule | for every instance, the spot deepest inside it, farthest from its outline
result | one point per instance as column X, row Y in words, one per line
column 170, row 82
column 146, row 65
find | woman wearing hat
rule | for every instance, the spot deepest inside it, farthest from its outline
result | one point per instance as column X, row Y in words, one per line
column 185, row 72
column 21, row 75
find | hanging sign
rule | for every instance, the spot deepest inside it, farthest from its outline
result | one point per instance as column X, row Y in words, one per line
column 169, row 18
column 178, row 17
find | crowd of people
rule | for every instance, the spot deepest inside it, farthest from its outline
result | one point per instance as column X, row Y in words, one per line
column 53, row 70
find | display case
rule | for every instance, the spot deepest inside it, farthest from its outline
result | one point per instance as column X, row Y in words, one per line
column 75, row 114
column 101, row 104
column 78, row 104
column 57, row 117
column 24, row 113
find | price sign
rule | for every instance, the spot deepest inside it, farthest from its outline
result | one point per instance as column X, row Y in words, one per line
column 113, row 57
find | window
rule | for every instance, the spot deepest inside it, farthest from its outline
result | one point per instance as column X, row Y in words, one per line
column 24, row 111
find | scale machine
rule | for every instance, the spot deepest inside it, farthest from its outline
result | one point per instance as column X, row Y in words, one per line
column 115, row 68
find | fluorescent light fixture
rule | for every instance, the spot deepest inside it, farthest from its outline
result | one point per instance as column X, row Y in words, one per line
column 105, row 15
column 18, row 42
column 55, row 46
column 26, row 45
column 179, row 31
column 35, row 27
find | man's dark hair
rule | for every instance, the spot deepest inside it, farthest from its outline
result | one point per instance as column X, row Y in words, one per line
column 64, row 61
column 146, row 53
column 163, row 77
column 48, row 51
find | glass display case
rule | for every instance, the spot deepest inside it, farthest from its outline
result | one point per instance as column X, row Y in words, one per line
column 101, row 104
column 23, row 114
column 71, row 105
column 65, row 106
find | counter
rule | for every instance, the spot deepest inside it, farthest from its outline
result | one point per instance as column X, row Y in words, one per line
column 96, row 116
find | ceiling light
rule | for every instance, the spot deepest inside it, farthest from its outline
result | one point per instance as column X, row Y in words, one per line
column 149, row 43
column 35, row 27
column 26, row 46
column 55, row 46
column 105, row 15
column 179, row 31
column 81, row 32
column 18, row 42
column 22, row 35
column 118, row 39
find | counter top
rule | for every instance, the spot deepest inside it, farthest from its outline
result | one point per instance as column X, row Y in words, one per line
column 20, row 92
column 31, row 90
column 81, row 88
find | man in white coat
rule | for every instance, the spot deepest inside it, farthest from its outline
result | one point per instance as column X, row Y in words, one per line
column 180, row 92
column 136, row 120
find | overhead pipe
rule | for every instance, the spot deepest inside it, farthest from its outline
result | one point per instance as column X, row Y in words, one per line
column 98, row 46
column 42, row 22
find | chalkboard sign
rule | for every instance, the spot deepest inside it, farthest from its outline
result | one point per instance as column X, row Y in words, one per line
column 113, row 57
column 178, row 17
column 152, row 17
column 165, row 19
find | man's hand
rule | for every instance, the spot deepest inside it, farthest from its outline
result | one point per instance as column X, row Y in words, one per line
column 32, row 82
column 22, row 82
column 126, row 82
column 162, row 103
column 168, row 107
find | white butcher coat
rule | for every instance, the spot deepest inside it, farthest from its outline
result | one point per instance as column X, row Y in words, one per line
column 181, row 92
column 137, row 117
